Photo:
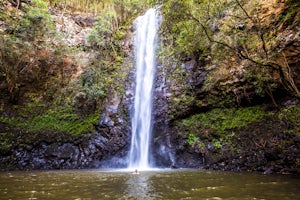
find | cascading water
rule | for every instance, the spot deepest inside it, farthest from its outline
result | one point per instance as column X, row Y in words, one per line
column 141, row 122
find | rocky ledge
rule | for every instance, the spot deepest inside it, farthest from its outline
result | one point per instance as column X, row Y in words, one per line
column 57, row 151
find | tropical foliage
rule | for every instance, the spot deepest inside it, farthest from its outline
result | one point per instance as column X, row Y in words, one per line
column 37, row 67
column 236, row 27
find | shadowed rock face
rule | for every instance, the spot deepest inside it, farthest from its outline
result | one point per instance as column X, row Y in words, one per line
column 168, row 148
column 59, row 151
column 55, row 152
column 114, row 126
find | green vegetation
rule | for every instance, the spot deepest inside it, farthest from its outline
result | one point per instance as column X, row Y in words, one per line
column 61, row 120
column 218, row 125
column 25, row 63
column 106, row 38
column 29, row 54
column 5, row 141
column 192, row 139
column 218, row 55
column 290, row 14
column 108, row 69
column 291, row 116
column 98, row 6
column 36, row 67
column 210, row 28
column 221, row 120
column 57, row 120
column 110, row 65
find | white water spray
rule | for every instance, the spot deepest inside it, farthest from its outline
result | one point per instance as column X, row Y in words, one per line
column 141, row 122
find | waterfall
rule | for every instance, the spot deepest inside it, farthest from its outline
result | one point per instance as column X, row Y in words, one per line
column 141, row 121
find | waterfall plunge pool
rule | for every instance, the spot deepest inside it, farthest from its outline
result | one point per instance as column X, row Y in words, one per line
column 157, row 184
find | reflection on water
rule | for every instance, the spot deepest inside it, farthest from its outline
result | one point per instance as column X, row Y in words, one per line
column 160, row 184
column 139, row 187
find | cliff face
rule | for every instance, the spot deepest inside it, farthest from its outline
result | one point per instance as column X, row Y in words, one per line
column 39, row 63
column 231, row 110
column 227, row 100
column 66, row 103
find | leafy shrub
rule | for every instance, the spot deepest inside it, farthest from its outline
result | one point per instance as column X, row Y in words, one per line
column 36, row 22
column 29, row 57
column 192, row 139
column 291, row 116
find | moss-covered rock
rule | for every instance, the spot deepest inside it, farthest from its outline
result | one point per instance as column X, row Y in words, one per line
column 242, row 139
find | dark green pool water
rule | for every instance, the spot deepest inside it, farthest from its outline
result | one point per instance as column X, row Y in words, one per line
column 158, row 184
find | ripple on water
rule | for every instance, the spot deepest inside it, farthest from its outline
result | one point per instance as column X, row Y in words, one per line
column 84, row 185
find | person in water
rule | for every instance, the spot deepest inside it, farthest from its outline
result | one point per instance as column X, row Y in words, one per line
column 135, row 172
